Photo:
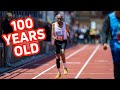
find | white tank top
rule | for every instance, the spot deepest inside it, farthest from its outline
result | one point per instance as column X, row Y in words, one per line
column 61, row 31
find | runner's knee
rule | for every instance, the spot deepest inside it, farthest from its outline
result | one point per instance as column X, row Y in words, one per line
column 57, row 56
column 62, row 51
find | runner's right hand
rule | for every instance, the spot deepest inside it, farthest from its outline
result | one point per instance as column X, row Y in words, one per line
column 105, row 46
column 69, row 41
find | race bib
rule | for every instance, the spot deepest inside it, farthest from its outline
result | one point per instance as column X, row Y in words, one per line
column 60, row 38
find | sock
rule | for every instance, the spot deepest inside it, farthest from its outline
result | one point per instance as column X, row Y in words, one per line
column 59, row 70
column 64, row 65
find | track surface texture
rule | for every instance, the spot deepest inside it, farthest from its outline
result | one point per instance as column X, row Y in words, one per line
column 83, row 61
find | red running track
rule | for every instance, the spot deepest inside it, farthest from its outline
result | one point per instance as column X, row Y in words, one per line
column 83, row 62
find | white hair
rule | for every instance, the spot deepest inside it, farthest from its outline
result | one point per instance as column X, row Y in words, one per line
column 59, row 15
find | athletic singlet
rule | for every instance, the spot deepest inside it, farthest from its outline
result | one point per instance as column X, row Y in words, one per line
column 60, row 32
column 114, row 26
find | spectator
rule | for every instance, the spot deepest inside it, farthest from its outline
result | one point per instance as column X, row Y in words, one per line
column 111, row 28
column 7, row 28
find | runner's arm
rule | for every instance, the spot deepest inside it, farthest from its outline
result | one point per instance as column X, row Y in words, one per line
column 106, row 34
column 53, row 33
column 68, row 31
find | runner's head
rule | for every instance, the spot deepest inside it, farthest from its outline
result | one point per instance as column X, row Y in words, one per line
column 59, row 18
column 117, row 13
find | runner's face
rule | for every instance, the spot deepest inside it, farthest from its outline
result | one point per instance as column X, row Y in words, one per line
column 117, row 13
column 59, row 19
column 9, row 17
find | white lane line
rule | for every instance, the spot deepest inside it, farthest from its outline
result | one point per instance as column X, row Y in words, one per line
column 73, row 62
column 102, row 61
column 100, row 73
column 79, row 50
column 87, row 61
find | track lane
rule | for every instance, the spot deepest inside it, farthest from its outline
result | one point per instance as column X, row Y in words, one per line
column 100, row 66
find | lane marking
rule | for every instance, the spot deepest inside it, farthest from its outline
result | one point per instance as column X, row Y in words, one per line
column 73, row 63
column 97, row 73
column 102, row 61
column 79, row 50
column 87, row 61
